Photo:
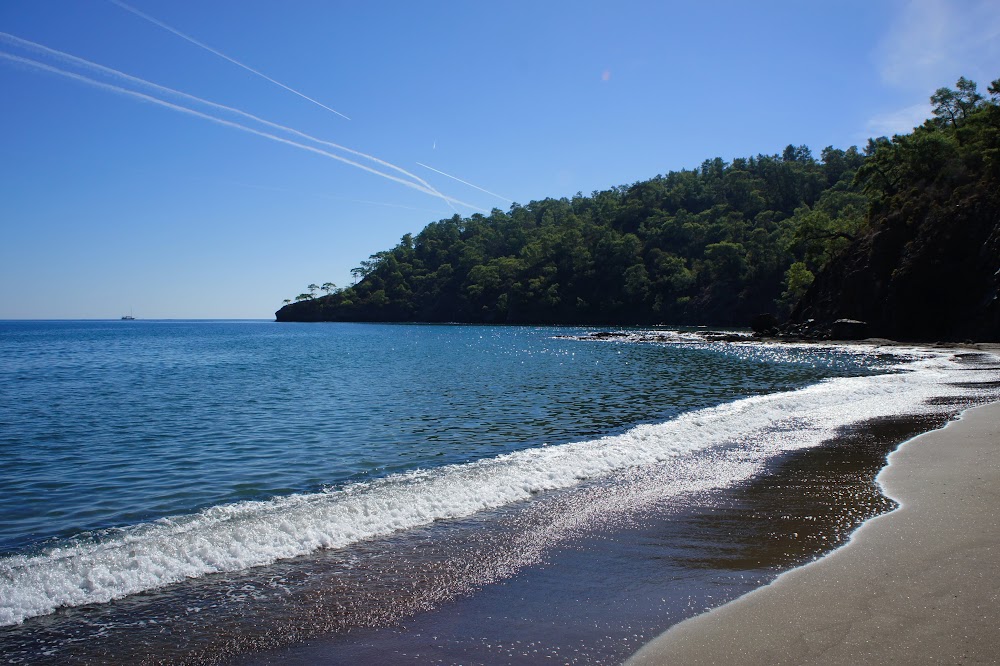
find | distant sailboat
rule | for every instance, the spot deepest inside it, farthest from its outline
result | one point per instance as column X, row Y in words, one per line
column 129, row 316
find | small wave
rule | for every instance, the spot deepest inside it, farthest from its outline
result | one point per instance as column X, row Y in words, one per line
column 238, row 536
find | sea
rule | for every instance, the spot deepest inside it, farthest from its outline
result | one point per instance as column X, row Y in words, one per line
column 253, row 492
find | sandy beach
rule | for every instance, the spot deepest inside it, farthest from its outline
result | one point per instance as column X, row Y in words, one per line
column 917, row 585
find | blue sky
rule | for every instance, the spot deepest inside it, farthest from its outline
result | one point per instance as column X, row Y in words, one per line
column 109, row 201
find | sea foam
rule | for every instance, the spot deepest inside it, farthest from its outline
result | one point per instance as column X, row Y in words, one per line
column 232, row 537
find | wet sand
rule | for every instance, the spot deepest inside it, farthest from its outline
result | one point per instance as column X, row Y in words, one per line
column 918, row 585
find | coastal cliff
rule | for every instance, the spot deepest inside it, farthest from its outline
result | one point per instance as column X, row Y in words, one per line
column 927, row 266
column 934, row 275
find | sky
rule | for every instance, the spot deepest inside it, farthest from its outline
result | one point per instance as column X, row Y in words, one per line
column 338, row 127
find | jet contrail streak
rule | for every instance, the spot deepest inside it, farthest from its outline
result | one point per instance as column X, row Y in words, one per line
column 87, row 64
column 492, row 194
column 208, row 48
column 222, row 121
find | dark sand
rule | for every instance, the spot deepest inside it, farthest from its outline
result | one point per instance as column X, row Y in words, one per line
column 918, row 585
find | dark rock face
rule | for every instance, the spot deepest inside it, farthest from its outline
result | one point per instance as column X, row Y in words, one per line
column 764, row 324
column 931, row 274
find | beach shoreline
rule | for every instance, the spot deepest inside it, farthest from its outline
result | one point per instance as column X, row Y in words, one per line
column 916, row 585
column 585, row 574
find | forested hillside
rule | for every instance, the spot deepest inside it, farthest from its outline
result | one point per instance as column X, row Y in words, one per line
column 716, row 244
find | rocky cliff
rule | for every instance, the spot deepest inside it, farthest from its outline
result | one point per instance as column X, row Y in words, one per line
column 925, row 272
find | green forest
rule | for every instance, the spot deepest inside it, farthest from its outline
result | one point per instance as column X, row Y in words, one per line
column 716, row 244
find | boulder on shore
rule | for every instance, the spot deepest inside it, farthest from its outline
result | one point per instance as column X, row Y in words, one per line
column 849, row 329
column 764, row 324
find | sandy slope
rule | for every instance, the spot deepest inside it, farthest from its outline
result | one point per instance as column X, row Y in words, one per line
column 918, row 585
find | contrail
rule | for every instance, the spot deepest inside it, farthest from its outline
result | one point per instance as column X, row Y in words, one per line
column 227, row 123
column 208, row 48
column 87, row 64
column 492, row 194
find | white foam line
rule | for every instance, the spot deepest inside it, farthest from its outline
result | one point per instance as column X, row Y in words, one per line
column 221, row 121
column 208, row 48
column 238, row 536
column 114, row 73
column 464, row 182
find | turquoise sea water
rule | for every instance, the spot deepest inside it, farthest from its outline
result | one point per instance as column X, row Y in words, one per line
column 139, row 456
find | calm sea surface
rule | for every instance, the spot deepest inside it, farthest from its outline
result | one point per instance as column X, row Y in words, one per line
column 146, row 462
column 107, row 424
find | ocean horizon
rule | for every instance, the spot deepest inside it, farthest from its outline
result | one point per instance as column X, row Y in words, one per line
column 242, row 490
